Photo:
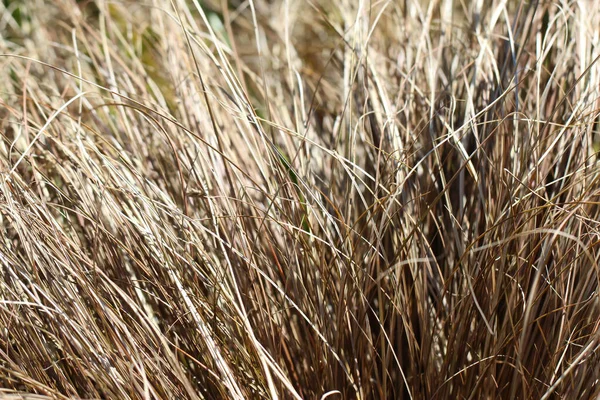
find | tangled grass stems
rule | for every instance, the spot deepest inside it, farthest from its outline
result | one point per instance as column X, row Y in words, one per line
column 212, row 199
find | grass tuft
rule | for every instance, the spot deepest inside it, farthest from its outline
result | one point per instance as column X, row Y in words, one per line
column 213, row 199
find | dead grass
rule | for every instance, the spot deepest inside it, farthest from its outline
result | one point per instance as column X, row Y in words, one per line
column 299, row 199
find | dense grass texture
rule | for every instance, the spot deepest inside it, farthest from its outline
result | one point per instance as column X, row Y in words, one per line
column 316, row 199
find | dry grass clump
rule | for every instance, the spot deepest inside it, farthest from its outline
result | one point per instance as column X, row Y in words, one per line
column 299, row 199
